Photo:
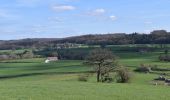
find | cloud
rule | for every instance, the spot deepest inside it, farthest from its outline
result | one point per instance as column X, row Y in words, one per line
column 101, row 14
column 97, row 12
column 59, row 8
column 113, row 18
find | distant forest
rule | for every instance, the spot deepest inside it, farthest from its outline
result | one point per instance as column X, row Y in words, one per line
column 155, row 37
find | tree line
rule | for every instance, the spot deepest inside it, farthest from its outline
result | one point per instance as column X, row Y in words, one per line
column 155, row 37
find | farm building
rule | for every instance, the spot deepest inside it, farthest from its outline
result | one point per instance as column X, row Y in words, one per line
column 51, row 59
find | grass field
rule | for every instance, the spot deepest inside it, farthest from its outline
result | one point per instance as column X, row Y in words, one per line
column 32, row 79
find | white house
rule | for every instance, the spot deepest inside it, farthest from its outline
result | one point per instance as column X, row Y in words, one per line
column 51, row 59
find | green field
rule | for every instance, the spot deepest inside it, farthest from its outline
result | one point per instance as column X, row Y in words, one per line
column 32, row 79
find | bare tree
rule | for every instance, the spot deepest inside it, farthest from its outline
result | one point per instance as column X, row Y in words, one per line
column 103, row 61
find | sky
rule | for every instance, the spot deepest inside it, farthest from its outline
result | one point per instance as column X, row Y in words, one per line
column 63, row 18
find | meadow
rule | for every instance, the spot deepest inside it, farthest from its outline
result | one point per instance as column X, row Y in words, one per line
column 32, row 79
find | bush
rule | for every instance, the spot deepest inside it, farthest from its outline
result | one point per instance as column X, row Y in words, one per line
column 155, row 68
column 160, row 78
column 144, row 68
column 27, row 54
column 164, row 58
column 148, row 68
column 123, row 75
column 107, row 79
column 83, row 78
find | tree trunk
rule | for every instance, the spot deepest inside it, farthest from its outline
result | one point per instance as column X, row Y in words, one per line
column 98, row 74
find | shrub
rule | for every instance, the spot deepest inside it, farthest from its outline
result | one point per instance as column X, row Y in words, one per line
column 144, row 68
column 161, row 57
column 123, row 75
column 160, row 78
column 155, row 68
column 164, row 58
column 83, row 78
column 107, row 79
column 27, row 54
column 167, row 80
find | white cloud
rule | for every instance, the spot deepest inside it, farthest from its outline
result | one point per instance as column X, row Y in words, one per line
column 97, row 12
column 113, row 18
column 59, row 8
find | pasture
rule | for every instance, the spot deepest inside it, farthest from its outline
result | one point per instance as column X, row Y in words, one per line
column 32, row 79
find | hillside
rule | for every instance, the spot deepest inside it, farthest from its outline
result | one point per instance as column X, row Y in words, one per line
column 155, row 37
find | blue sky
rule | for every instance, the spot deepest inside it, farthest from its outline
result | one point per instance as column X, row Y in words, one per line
column 62, row 18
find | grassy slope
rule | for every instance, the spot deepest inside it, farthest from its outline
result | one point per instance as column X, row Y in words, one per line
column 54, row 88
column 53, row 85
column 37, row 66
column 31, row 79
